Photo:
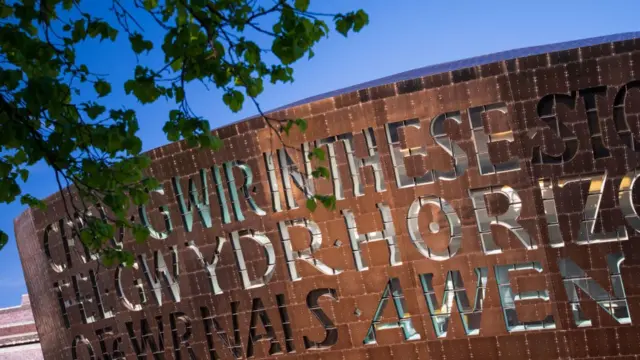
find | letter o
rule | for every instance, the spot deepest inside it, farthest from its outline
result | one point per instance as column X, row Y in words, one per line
column 455, row 228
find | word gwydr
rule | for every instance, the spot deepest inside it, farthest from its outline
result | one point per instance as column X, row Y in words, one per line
column 361, row 150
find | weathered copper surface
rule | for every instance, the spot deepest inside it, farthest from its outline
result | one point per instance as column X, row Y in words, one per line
column 558, row 137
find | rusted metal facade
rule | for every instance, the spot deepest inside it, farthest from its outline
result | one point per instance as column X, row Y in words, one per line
column 485, row 209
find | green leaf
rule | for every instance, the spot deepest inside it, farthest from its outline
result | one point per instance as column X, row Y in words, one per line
column 302, row 124
column 4, row 239
column 33, row 202
column 302, row 5
column 87, row 238
column 5, row 11
column 179, row 94
column 79, row 32
column 144, row 89
column 321, row 171
column 139, row 44
column 216, row 143
column 102, row 87
column 280, row 73
column 140, row 233
column 27, row 200
column 10, row 78
column 150, row 183
column 252, row 53
column 139, row 197
column 287, row 127
column 176, row 64
column 94, row 110
column 234, row 100
column 328, row 201
column 317, row 153
column 108, row 259
column 343, row 25
column 127, row 258
column 311, row 204
column 24, row 174
column 255, row 88
column 113, row 34
column 150, row 4
column 361, row 19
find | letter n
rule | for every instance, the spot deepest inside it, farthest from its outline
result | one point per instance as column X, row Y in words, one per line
column 615, row 305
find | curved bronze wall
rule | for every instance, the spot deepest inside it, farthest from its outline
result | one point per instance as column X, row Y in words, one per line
column 485, row 211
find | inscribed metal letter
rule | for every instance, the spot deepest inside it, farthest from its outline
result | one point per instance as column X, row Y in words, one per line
column 388, row 234
column 306, row 255
column 508, row 299
column 455, row 228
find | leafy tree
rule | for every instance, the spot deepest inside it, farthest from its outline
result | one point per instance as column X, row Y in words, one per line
column 47, row 113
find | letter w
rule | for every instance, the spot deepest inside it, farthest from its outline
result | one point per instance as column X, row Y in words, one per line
column 140, row 348
column 160, row 272
column 454, row 288
column 186, row 207
column 212, row 327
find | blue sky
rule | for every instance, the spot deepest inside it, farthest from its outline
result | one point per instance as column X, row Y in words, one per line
column 402, row 35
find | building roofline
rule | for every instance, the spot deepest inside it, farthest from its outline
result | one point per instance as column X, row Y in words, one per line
column 469, row 62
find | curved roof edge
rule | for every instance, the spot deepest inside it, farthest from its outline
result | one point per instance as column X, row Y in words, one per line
column 466, row 63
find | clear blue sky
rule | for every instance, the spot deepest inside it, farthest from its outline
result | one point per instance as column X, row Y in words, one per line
column 402, row 35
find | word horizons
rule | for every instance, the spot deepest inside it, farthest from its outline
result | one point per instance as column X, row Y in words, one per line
column 293, row 180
